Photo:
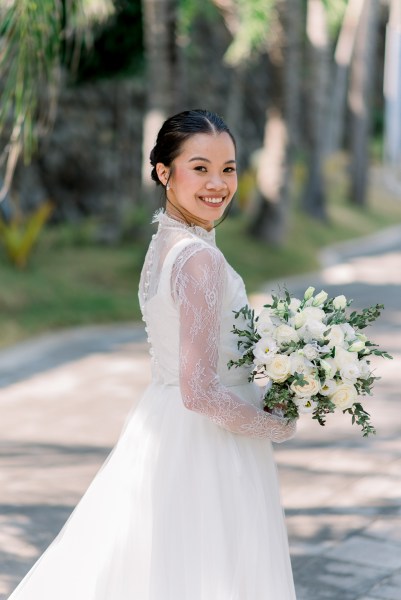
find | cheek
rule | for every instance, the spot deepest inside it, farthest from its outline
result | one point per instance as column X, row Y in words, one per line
column 181, row 173
column 184, row 178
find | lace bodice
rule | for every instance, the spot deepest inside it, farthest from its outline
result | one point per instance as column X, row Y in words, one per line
column 187, row 294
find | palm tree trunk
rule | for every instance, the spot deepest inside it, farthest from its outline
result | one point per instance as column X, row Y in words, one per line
column 359, row 99
column 392, row 91
column 269, row 222
column 342, row 56
column 314, row 196
column 271, row 203
column 161, row 55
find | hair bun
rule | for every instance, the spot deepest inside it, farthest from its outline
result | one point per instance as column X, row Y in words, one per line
column 155, row 176
column 152, row 157
column 153, row 162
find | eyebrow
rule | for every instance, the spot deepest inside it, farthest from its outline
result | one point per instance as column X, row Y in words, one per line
column 208, row 161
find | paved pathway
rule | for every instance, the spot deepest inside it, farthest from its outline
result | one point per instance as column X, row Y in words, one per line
column 64, row 399
column 342, row 493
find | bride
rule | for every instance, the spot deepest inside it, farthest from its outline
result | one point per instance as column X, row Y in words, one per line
column 187, row 505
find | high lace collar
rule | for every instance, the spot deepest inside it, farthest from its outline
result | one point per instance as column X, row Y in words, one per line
column 166, row 221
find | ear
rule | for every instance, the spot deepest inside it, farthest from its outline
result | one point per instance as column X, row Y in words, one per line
column 163, row 173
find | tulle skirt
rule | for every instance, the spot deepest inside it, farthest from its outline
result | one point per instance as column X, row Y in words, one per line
column 181, row 510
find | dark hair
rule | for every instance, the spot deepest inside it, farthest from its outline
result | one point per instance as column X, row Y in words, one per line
column 178, row 129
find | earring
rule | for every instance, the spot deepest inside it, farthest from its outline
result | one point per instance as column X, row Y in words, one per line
column 167, row 186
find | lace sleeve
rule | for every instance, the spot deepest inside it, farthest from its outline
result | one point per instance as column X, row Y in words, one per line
column 198, row 286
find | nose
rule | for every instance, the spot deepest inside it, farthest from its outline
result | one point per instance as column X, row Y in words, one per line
column 215, row 182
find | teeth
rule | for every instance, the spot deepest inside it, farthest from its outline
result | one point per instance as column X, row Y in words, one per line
column 212, row 200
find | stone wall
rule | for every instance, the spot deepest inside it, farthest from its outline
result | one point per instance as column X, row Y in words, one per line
column 91, row 161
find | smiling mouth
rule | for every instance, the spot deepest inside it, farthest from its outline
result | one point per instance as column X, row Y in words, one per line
column 214, row 201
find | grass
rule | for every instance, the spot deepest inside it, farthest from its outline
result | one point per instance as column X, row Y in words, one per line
column 68, row 284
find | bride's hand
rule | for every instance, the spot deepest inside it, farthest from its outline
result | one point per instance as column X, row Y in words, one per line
column 278, row 410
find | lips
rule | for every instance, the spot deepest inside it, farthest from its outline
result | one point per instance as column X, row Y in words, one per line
column 214, row 201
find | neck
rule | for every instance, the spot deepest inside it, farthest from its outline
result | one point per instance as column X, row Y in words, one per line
column 181, row 214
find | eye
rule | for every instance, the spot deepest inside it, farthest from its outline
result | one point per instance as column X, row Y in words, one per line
column 201, row 168
column 230, row 170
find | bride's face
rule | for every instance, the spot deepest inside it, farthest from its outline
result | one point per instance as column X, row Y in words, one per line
column 203, row 177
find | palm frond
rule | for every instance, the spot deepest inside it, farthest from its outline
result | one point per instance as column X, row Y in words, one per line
column 31, row 37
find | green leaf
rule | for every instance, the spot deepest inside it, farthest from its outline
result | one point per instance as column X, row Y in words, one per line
column 252, row 28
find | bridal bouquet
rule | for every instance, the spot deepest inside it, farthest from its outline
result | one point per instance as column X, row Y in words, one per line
column 314, row 355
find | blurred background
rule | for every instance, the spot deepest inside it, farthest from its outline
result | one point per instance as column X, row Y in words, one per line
column 311, row 89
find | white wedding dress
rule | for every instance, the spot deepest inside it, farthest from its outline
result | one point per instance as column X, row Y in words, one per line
column 187, row 505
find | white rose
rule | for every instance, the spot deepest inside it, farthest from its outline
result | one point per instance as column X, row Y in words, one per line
column 310, row 351
column 309, row 293
column 307, row 314
column 357, row 346
column 294, row 304
column 344, row 396
column 266, row 312
column 364, row 369
column 314, row 313
column 305, row 405
column 320, row 298
column 278, row 368
column 350, row 372
column 299, row 364
column 312, row 331
column 335, row 336
column 340, row 302
column 328, row 388
column 343, row 357
column 329, row 366
column 264, row 349
column 349, row 332
column 265, row 323
column 310, row 388
column 284, row 334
